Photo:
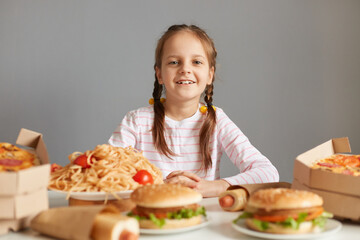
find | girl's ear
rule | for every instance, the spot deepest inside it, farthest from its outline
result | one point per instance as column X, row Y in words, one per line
column 158, row 75
column 211, row 75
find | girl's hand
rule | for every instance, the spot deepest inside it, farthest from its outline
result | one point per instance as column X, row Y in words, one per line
column 184, row 178
column 211, row 188
column 206, row 188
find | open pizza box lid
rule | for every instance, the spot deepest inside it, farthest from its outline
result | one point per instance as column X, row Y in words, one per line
column 326, row 180
column 30, row 179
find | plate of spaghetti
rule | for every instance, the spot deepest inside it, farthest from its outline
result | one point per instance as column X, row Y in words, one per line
column 104, row 173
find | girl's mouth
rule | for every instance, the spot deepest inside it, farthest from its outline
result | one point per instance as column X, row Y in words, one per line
column 185, row 82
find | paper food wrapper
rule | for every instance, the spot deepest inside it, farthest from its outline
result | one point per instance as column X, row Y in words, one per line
column 240, row 193
column 73, row 222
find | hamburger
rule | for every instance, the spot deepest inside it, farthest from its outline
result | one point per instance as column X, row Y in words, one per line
column 166, row 206
column 285, row 211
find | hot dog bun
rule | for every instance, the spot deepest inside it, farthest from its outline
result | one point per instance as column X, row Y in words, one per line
column 233, row 200
column 110, row 226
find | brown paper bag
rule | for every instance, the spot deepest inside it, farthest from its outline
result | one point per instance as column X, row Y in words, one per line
column 69, row 222
column 240, row 194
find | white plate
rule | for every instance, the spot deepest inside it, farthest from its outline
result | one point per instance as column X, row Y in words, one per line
column 332, row 226
column 175, row 230
column 95, row 196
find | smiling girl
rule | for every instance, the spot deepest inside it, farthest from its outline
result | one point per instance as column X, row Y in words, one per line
column 182, row 136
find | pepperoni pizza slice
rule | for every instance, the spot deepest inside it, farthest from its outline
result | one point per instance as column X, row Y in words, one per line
column 340, row 163
column 13, row 158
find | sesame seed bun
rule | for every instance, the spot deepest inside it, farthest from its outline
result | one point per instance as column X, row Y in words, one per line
column 164, row 196
column 283, row 198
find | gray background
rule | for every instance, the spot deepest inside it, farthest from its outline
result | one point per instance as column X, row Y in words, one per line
column 288, row 71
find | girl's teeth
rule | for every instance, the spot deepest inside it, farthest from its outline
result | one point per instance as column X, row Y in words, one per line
column 185, row 82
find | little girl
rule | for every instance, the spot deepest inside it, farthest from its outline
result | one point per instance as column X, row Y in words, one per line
column 182, row 136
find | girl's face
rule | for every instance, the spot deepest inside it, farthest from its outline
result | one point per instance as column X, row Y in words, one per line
column 185, row 69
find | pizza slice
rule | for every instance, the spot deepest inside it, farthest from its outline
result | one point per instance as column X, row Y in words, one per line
column 340, row 163
column 13, row 158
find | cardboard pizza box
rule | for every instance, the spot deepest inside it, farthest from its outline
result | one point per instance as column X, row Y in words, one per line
column 7, row 225
column 30, row 179
column 343, row 206
column 24, row 193
column 23, row 205
column 326, row 180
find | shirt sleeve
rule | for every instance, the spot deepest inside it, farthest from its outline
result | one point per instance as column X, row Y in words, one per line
column 254, row 167
column 126, row 133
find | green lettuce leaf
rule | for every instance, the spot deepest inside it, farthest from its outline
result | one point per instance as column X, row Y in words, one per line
column 321, row 220
column 160, row 222
column 261, row 224
column 243, row 216
column 131, row 214
column 187, row 213
column 183, row 213
column 290, row 223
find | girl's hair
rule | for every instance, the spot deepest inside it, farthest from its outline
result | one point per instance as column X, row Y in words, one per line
column 209, row 124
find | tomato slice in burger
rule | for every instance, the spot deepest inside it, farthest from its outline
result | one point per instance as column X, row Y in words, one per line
column 281, row 218
column 143, row 177
column 274, row 218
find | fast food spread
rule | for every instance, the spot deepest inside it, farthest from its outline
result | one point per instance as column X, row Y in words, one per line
column 285, row 211
column 13, row 158
column 105, row 169
column 167, row 206
column 158, row 208
column 340, row 163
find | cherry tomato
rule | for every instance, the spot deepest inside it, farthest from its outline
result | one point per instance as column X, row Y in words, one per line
column 82, row 161
column 143, row 177
column 54, row 167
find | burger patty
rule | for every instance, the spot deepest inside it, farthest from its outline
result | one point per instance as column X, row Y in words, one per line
column 144, row 211
column 282, row 212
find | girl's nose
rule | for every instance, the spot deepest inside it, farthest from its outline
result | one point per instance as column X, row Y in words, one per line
column 185, row 68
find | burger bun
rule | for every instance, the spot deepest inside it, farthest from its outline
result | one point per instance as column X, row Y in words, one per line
column 164, row 196
column 171, row 223
column 283, row 198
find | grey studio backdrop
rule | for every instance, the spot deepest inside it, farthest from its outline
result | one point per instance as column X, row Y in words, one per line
column 288, row 72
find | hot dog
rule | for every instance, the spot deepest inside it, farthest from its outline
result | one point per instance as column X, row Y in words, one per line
column 226, row 201
column 233, row 200
column 111, row 226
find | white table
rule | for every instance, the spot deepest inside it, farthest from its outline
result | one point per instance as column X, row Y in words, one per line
column 219, row 227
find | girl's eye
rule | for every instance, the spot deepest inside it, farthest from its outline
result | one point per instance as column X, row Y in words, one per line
column 174, row 62
column 197, row 62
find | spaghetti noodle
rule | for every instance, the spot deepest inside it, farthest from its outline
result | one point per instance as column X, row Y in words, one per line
column 111, row 170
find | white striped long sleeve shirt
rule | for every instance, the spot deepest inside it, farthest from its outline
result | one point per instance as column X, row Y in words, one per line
column 183, row 137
